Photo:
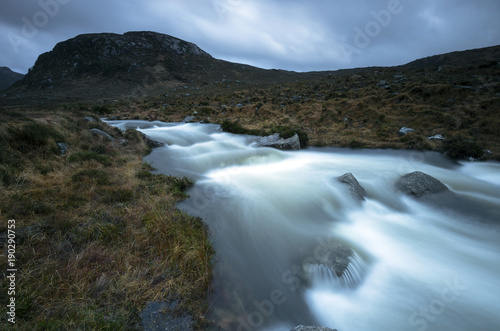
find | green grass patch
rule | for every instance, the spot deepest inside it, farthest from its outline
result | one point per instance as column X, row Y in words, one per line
column 82, row 156
column 98, row 176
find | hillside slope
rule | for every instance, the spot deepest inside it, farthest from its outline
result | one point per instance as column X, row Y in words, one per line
column 8, row 77
column 107, row 65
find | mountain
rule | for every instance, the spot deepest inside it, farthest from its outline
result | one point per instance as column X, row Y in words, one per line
column 8, row 77
column 107, row 65
column 139, row 64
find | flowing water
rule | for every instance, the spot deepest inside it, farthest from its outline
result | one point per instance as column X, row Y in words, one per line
column 416, row 265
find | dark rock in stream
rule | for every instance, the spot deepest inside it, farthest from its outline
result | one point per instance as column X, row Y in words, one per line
column 151, row 143
column 312, row 328
column 275, row 141
column 418, row 185
column 335, row 256
column 356, row 190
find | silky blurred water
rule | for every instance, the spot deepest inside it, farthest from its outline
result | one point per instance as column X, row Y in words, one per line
column 418, row 265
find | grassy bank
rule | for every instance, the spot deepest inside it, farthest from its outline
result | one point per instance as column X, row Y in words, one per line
column 98, row 236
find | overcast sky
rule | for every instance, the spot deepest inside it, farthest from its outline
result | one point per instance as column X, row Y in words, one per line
column 283, row 34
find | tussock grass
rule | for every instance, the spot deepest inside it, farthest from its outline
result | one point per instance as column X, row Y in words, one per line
column 98, row 235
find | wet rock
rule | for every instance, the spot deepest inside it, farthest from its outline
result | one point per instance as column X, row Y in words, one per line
column 101, row 133
column 334, row 255
column 162, row 316
column 90, row 119
column 356, row 190
column 275, row 141
column 418, row 185
column 404, row 130
column 311, row 328
column 151, row 143
column 63, row 148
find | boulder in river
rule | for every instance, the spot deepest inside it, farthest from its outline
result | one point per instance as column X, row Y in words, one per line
column 355, row 188
column 418, row 185
column 275, row 141
column 151, row 143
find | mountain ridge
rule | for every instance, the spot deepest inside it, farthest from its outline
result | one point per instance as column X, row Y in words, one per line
column 8, row 77
column 144, row 63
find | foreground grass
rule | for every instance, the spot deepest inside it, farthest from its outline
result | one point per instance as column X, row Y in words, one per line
column 98, row 235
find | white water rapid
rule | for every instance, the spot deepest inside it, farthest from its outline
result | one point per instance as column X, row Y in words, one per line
column 415, row 265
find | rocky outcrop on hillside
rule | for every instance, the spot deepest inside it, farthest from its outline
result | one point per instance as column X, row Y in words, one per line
column 135, row 64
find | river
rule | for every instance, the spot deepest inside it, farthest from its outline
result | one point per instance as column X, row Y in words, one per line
column 415, row 265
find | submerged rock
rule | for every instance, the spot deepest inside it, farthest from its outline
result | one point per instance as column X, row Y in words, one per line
column 334, row 255
column 275, row 141
column 418, row 184
column 356, row 190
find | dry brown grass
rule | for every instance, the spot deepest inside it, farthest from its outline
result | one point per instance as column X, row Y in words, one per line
column 92, row 253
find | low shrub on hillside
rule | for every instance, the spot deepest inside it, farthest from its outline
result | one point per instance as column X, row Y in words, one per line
column 463, row 149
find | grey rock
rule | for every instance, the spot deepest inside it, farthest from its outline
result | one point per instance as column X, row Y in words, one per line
column 436, row 137
column 90, row 119
column 312, row 328
column 101, row 133
column 355, row 188
column 383, row 84
column 188, row 119
column 275, row 141
column 63, row 148
column 418, row 185
column 239, row 105
column 151, row 143
column 161, row 316
column 404, row 130
column 335, row 256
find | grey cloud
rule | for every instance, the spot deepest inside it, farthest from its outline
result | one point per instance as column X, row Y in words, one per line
column 294, row 34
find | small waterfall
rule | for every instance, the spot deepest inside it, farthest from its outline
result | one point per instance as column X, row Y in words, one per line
column 354, row 273
column 323, row 275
